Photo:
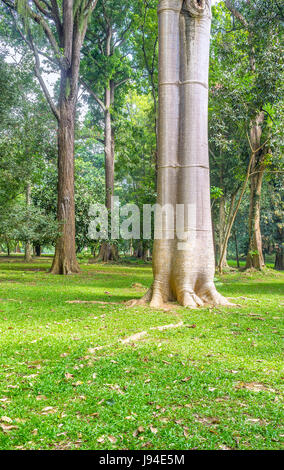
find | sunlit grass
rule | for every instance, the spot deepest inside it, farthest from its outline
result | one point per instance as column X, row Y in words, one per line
column 214, row 383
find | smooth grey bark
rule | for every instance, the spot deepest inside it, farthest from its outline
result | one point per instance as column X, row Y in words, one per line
column 184, row 268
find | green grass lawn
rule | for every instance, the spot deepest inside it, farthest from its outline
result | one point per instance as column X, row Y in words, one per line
column 68, row 381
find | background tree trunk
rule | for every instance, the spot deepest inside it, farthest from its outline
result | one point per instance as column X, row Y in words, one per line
column 237, row 250
column 222, row 232
column 108, row 251
column 65, row 261
column 37, row 250
column 28, row 247
column 255, row 256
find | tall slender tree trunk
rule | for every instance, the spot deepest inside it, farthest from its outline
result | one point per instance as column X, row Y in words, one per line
column 65, row 261
column 222, row 232
column 184, row 266
column 237, row 250
column 108, row 251
column 28, row 246
column 279, row 259
column 255, row 256
column 109, row 146
column 225, row 230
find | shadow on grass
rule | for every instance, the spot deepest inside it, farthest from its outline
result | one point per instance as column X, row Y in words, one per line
column 262, row 288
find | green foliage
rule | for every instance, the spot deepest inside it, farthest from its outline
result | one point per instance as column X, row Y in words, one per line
column 21, row 223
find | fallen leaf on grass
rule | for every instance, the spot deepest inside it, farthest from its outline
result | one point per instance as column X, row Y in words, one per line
column 6, row 419
column 112, row 439
column 48, row 410
column 138, row 431
column 68, row 376
column 93, row 350
column 41, row 397
column 116, row 388
column 208, row 420
column 186, row 379
column 153, row 430
column 253, row 386
column 7, row 428
column 185, row 431
column 261, row 422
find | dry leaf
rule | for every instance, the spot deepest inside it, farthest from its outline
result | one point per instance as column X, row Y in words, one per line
column 68, row 376
column 153, row 430
column 6, row 419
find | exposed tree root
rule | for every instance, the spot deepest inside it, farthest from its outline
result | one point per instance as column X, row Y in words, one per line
column 141, row 334
column 91, row 302
column 208, row 295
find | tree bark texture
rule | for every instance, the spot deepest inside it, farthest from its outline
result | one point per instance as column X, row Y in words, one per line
column 65, row 261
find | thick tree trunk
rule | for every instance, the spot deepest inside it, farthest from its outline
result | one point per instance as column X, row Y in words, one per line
column 108, row 252
column 65, row 261
column 184, row 267
column 255, row 256
column 28, row 247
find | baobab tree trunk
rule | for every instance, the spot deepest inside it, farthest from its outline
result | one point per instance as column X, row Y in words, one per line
column 184, row 265
column 255, row 256
column 65, row 261
column 28, row 247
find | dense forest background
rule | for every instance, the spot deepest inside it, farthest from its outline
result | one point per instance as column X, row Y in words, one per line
column 116, row 128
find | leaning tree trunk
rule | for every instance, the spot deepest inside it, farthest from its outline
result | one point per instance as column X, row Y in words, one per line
column 184, row 266
column 65, row 261
column 222, row 232
column 28, row 247
column 255, row 255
